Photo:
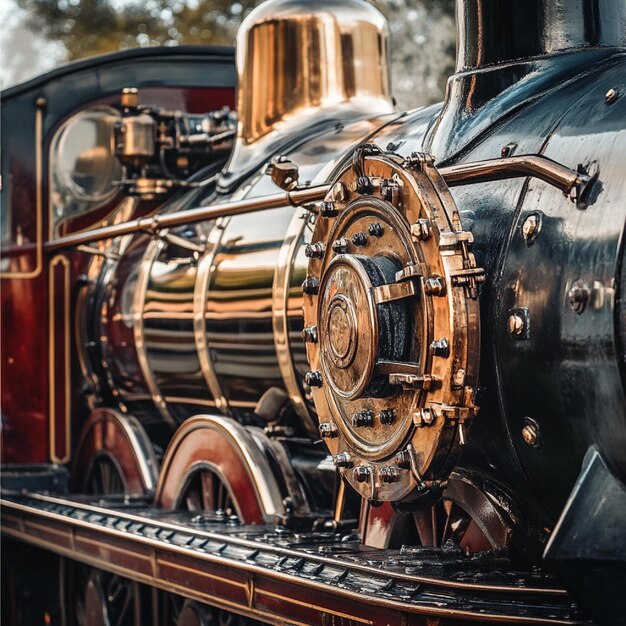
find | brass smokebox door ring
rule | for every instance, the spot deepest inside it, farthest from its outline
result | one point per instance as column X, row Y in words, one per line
column 396, row 312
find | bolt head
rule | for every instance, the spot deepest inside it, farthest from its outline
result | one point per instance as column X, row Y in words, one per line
column 310, row 286
column 328, row 209
column 309, row 334
column 611, row 96
column 387, row 416
column 375, row 230
column 403, row 460
column 421, row 230
column 389, row 474
column 363, row 419
column 435, row 286
column 364, row 185
column 362, row 473
column 530, row 228
column 340, row 246
column 578, row 296
column 315, row 250
column 359, row 239
column 343, row 459
column 313, row 379
column 328, row 430
column 440, row 348
column 517, row 325
column 530, row 434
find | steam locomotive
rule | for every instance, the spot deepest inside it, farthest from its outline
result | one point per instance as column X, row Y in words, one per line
column 284, row 355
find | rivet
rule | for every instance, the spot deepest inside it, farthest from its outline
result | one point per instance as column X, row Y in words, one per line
column 578, row 296
column 611, row 96
column 531, row 228
column 340, row 246
column 309, row 334
column 359, row 239
column 362, row 473
column 315, row 250
column 343, row 459
column 375, row 230
column 530, row 433
column 389, row 474
column 508, row 150
column 434, row 286
column 363, row 418
column 311, row 286
column 313, row 379
column 328, row 430
column 328, row 209
column 387, row 416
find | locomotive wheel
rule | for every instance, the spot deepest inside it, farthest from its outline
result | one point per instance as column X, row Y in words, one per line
column 191, row 613
column 114, row 447
column 213, row 463
column 114, row 456
column 464, row 517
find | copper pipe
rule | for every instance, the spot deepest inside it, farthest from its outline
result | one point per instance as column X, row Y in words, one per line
column 559, row 176
column 299, row 197
column 536, row 166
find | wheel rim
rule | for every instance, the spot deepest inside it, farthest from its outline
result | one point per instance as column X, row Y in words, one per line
column 206, row 491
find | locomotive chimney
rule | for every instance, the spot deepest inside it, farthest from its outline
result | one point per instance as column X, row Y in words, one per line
column 513, row 50
column 301, row 64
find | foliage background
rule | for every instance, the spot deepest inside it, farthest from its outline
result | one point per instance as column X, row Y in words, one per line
column 40, row 34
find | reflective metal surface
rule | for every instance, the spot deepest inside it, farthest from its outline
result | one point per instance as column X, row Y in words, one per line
column 302, row 63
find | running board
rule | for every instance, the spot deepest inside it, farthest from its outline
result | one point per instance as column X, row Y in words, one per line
column 281, row 576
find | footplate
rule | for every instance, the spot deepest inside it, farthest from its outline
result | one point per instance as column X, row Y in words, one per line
column 282, row 577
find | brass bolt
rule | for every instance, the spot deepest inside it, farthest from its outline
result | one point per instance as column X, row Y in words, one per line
column 530, row 228
column 130, row 97
column 517, row 325
column 530, row 434
column 611, row 96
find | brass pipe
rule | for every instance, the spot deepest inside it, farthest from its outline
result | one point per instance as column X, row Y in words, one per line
column 299, row 197
column 545, row 169
column 551, row 172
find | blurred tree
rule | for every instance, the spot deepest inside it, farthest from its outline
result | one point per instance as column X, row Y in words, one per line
column 422, row 32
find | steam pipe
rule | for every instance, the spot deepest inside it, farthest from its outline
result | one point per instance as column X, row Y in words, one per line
column 536, row 166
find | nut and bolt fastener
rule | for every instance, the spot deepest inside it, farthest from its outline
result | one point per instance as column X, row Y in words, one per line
column 362, row 473
column 517, row 325
column 313, row 379
column 363, row 419
column 530, row 434
column 359, row 239
column 387, row 416
column 364, row 185
column 530, row 228
column 611, row 96
column 435, row 286
column 421, row 230
column 375, row 230
column 328, row 430
column 389, row 474
column 309, row 334
column 311, row 286
column 441, row 348
column 340, row 246
column 328, row 209
column 315, row 250
column 343, row 459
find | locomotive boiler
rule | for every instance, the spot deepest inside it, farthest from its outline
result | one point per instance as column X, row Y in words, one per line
column 314, row 361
